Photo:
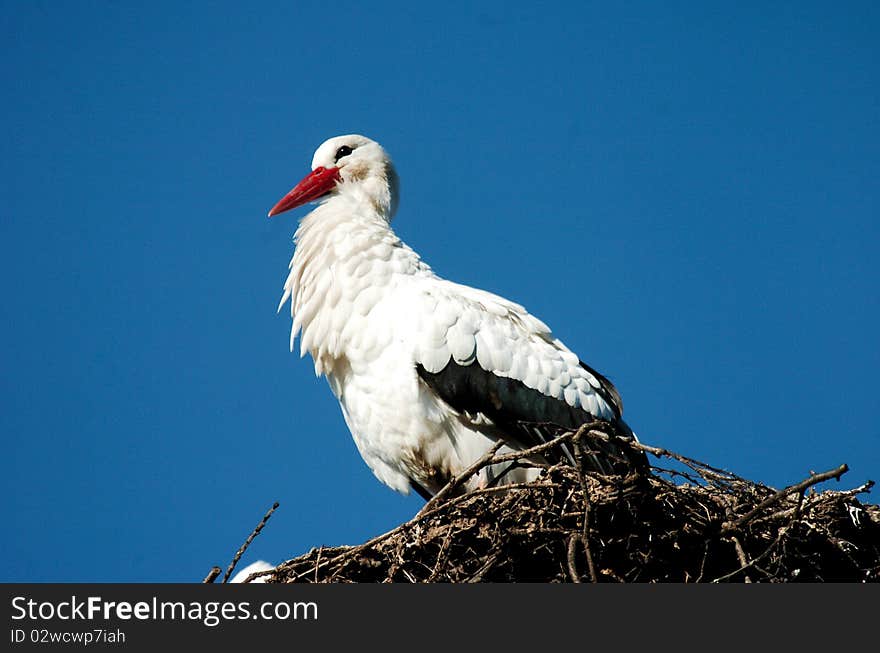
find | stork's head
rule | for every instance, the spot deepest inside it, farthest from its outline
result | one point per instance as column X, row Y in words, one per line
column 347, row 164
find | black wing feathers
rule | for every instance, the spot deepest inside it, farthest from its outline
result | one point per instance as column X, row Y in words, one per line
column 523, row 414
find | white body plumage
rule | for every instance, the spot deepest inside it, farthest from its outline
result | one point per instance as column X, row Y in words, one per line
column 378, row 322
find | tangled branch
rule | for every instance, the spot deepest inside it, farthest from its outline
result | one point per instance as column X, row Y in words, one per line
column 689, row 522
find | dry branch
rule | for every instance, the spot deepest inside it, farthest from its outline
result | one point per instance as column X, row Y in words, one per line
column 212, row 575
column 691, row 524
column 247, row 543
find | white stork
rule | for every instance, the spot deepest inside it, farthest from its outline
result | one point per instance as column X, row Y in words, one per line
column 429, row 373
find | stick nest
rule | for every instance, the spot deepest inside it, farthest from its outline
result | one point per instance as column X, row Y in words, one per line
column 682, row 522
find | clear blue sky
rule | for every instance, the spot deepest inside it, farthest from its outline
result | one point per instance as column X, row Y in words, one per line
column 687, row 194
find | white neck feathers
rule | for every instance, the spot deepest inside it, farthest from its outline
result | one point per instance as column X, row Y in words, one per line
column 346, row 258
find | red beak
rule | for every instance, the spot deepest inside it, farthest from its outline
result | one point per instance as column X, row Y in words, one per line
column 317, row 183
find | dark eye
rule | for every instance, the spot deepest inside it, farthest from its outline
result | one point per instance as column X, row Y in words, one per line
column 345, row 150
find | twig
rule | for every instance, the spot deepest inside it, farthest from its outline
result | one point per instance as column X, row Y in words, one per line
column 585, row 534
column 212, row 575
column 707, row 472
column 455, row 481
column 541, row 448
column 741, row 556
column 863, row 488
column 490, row 458
column 746, row 564
column 484, row 569
column 754, row 562
column 318, row 561
column 786, row 512
column 440, row 555
column 769, row 501
column 703, row 562
column 572, row 564
column 259, row 574
column 248, row 541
